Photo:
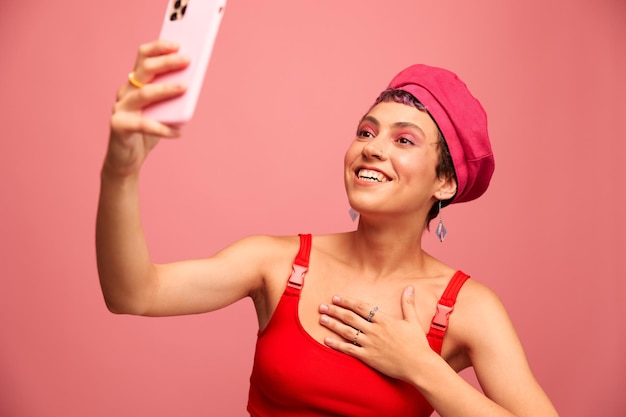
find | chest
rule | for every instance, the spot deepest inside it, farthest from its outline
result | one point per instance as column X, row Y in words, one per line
column 319, row 288
column 293, row 374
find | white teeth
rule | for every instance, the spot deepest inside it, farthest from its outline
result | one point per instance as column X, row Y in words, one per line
column 369, row 175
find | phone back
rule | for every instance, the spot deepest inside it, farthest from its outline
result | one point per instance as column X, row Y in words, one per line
column 194, row 25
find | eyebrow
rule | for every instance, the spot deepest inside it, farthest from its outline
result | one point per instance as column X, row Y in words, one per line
column 395, row 125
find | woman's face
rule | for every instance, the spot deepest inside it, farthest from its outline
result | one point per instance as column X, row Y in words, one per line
column 390, row 165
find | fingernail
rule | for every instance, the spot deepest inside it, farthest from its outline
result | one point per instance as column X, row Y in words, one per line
column 323, row 308
column 410, row 290
column 336, row 299
column 324, row 319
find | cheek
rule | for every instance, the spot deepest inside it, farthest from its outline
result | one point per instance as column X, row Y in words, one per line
column 422, row 167
column 353, row 152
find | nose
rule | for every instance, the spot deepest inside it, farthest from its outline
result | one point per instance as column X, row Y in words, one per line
column 375, row 149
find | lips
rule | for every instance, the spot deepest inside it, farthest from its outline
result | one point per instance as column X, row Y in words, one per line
column 371, row 175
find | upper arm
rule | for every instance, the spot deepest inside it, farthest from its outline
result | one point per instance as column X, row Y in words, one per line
column 497, row 355
column 203, row 285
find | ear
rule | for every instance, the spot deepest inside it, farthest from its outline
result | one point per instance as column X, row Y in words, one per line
column 446, row 189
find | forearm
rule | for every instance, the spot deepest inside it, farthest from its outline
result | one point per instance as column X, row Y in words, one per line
column 127, row 275
column 450, row 394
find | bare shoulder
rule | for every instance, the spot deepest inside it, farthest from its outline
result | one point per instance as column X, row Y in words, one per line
column 476, row 298
column 479, row 309
column 275, row 254
column 281, row 251
column 268, row 255
column 261, row 246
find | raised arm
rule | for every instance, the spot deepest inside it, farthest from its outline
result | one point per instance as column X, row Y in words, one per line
column 130, row 282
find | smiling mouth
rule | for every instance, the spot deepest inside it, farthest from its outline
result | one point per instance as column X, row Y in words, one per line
column 371, row 176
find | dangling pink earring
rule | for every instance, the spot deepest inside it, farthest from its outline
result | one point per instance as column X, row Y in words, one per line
column 353, row 214
column 440, row 231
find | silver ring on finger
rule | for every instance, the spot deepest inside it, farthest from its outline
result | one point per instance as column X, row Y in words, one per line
column 372, row 312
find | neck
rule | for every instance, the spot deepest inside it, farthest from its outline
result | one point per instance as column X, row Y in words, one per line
column 387, row 248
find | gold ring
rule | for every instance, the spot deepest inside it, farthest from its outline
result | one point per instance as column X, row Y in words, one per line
column 133, row 80
column 358, row 332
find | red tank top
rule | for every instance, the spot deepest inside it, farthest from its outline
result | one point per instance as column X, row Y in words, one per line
column 294, row 375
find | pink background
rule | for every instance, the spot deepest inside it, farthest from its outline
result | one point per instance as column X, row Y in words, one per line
column 286, row 85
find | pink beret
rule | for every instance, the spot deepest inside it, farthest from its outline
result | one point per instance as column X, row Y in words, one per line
column 461, row 119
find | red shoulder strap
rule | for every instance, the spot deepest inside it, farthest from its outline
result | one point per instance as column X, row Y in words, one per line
column 439, row 324
column 301, row 263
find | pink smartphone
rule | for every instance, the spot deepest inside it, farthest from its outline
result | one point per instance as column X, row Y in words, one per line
column 194, row 25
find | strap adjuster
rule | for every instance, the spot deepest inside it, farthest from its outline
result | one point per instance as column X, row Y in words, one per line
column 442, row 317
column 296, row 280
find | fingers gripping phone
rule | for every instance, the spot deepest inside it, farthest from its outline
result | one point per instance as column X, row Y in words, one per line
column 193, row 24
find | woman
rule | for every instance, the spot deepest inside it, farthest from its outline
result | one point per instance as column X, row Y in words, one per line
column 363, row 334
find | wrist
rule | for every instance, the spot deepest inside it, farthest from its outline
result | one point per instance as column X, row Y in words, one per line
column 428, row 367
column 112, row 173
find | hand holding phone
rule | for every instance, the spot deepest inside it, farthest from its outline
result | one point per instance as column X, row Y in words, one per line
column 193, row 24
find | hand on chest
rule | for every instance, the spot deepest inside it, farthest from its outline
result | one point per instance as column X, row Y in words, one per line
column 384, row 294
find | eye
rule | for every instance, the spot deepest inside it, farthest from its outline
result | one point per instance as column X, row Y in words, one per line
column 364, row 133
column 404, row 140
